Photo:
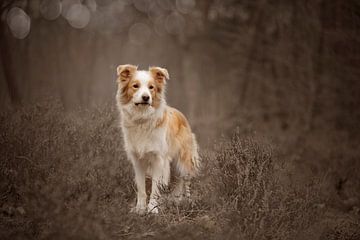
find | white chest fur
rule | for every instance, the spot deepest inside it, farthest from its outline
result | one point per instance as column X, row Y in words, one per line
column 141, row 136
column 144, row 138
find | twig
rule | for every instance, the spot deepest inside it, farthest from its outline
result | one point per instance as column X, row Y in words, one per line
column 27, row 159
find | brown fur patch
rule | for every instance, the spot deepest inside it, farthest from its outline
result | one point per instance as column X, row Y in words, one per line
column 125, row 76
column 125, row 73
column 156, row 93
column 180, row 135
column 162, row 121
column 159, row 74
column 128, row 91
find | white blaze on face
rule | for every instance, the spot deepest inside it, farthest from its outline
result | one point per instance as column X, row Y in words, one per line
column 144, row 78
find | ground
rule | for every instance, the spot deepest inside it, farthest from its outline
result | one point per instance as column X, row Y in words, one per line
column 65, row 176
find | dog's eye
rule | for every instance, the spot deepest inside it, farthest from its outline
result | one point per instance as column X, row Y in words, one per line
column 151, row 87
column 135, row 86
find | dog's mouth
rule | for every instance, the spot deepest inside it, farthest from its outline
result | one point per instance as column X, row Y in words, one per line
column 142, row 104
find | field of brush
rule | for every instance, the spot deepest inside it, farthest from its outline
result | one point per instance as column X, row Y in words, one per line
column 65, row 176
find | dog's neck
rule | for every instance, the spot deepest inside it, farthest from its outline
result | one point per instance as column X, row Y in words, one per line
column 132, row 116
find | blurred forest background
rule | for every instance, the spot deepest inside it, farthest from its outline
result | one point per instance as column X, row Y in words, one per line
column 292, row 64
column 287, row 71
column 287, row 64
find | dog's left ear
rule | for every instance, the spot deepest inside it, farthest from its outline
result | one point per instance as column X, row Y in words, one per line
column 159, row 74
column 125, row 72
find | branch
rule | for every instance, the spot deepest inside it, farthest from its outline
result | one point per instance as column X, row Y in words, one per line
column 6, row 5
column 257, row 21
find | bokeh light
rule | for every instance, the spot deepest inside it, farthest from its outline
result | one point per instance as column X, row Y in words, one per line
column 159, row 26
column 185, row 6
column 166, row 4
column 139, row 33
column 113, row 18
column 91, row 5
column 78, row 16
column 19, row 22
column 175, row 23
column 50, row 9
column 142, row 5
column 155, row 11
column 66, row 5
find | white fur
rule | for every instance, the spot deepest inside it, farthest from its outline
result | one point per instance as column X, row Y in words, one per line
column 144, row 78
column 146, row 147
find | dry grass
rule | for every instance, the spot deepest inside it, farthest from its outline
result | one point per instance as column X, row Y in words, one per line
column 65, row 176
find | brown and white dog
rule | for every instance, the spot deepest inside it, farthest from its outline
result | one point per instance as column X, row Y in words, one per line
column 154, row 134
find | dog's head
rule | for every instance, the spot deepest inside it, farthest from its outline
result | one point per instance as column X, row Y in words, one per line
column 142, row 89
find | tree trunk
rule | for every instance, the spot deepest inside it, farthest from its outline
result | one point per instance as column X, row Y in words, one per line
column 8, row 66
column 253, row 51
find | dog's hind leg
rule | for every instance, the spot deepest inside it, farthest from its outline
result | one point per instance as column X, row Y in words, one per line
column 187, row 182
column 182, row 188
column 187, row 165
column 178, row 191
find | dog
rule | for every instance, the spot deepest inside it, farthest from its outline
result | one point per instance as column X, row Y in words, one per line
column 155, row 135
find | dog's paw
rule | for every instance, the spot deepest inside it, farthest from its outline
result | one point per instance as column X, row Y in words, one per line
column 138, row 210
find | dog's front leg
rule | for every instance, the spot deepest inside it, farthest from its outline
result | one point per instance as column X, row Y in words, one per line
column 160, row 178
column 140, row 170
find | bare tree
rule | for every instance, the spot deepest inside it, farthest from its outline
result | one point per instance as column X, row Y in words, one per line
column 6, row 58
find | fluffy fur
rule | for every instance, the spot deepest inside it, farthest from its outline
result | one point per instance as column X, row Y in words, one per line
column 155, row 134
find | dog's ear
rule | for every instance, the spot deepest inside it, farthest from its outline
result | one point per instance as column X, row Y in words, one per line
column 125, row 72
column 160, row 74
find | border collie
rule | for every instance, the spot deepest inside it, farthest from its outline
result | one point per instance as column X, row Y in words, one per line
column 155, row 135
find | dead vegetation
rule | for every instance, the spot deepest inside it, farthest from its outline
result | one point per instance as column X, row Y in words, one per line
column 65, row 176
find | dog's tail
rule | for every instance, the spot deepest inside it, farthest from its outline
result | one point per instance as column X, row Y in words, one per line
column 195, row 158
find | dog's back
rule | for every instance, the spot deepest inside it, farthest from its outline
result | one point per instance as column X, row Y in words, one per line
column 181, row 141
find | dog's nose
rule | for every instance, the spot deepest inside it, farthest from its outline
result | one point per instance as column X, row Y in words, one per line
column 145, row 98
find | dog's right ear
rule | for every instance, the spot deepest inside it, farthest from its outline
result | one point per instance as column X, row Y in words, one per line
column 125, row 72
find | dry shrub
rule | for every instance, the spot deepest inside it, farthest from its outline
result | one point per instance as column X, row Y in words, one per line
column 65, row 176
column 66, row 170
column 341, row 228
column 253, row 201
